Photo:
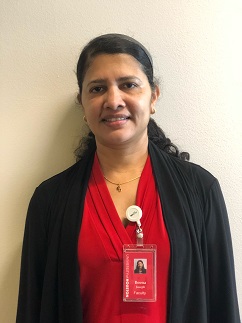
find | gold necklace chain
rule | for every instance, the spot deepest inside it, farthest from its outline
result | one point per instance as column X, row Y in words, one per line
column 118, row 188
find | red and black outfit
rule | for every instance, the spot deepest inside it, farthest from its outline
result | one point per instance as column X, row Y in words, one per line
column 198, row 252
column 100, row 252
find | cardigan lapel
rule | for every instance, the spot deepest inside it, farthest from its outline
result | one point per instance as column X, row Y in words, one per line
column 179, row 208
column 69, row 293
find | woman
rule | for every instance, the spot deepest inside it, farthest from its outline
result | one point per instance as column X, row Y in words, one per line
column 140, row 268
column 76, row 225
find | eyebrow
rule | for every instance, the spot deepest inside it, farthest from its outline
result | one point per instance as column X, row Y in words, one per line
column 121, row 79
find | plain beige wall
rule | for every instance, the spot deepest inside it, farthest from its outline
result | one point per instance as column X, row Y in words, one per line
column 197, row 51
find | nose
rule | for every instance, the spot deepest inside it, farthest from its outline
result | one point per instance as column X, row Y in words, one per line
column 114, row 99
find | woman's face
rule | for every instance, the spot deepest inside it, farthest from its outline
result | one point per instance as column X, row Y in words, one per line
column 140, row 264
column 117, row 100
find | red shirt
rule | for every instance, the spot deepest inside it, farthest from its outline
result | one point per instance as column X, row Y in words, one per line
column 100, row 253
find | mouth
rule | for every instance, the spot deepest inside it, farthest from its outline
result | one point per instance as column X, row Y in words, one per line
column 115, row 119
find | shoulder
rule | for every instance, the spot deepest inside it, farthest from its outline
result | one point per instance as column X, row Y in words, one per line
column 184, row 174
column 62, row 182
column 54, row 182
column 47, row 191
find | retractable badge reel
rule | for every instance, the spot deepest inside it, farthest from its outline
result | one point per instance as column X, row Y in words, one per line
column 139, row 270
column 134, row 214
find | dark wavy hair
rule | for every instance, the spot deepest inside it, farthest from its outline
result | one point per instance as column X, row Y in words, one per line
column 122, row 44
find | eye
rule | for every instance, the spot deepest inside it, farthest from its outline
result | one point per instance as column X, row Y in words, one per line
column 96, row 89
column 130, row 85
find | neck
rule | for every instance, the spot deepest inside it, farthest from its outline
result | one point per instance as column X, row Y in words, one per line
column 122, row 164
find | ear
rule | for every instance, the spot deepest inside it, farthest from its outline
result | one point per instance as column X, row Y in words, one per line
column 154, row 97
column 79, row 98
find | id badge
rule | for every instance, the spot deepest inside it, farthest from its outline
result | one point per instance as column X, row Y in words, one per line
column 139, row 273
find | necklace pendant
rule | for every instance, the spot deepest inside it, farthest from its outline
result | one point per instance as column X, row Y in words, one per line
column 119, row 189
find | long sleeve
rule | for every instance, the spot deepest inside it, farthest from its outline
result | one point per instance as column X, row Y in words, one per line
column 49, row 289
column 222, row 297
column 33, row 262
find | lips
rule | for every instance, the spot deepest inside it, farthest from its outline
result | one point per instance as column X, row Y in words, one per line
column 115, row 119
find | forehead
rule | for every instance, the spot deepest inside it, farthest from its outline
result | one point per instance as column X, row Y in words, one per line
column 113, row 64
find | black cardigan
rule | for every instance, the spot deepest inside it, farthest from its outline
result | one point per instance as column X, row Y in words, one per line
column 202, row 283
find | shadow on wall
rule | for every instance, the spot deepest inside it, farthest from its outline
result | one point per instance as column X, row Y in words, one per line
column 55, row 156
column 59, row 151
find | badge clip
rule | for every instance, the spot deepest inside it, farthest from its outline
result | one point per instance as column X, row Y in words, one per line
column 134, row 214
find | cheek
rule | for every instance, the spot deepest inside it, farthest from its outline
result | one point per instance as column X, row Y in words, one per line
column 146, row 102
column 142, row 104
column 89, row 109
column 92, row 104
column 145, row 107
